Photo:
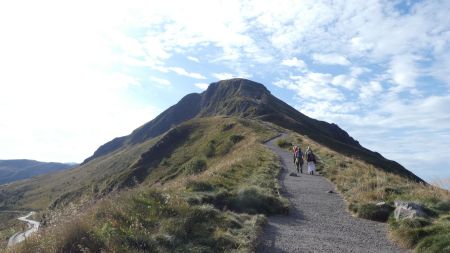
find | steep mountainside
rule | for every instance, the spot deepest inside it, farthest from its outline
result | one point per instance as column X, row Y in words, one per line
column 13, row 170
column 248, row 99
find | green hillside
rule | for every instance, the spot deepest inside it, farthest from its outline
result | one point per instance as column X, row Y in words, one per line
column 210, row 192
column 207, row 194
column 198, row 178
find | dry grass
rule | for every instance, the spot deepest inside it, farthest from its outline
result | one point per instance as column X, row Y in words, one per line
column 363, row 185
column 216, row 207
column 442, row 183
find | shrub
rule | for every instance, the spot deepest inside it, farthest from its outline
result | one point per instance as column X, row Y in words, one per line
column 227, row 126
column 199, row 186
column 253, row 200
column 235, row 138
column 371, row 211
column 283, row 143
column 414, row 223
column 435, row 243
column 210, row 149
column 225, row 147
column 442, row 206
column 195, row 166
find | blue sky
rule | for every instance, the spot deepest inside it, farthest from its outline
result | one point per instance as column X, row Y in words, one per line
column 75, row 75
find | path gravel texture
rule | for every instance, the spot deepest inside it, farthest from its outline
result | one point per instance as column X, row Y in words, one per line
column 33, row 226
column 318, row 220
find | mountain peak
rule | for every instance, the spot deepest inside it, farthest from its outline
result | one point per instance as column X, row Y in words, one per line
column 244, row 98
column 241, row 86
column 235, row 88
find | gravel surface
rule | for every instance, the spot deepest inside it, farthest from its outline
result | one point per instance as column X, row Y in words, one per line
column 318, row 220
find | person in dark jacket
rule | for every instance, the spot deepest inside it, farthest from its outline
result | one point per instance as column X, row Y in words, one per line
column 298, row 160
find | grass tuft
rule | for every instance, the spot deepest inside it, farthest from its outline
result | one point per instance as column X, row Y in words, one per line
column 371, row 211
column 283, row 143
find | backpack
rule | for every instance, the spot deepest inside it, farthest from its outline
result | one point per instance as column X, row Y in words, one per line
column 298, row 153
column 311, row 157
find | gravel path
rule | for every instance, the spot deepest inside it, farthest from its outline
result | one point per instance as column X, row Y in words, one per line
column 318, row 221
column 33, row 226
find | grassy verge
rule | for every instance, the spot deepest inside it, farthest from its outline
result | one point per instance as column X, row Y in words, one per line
column 9, row 225
column 364, row 185
column 211, row 194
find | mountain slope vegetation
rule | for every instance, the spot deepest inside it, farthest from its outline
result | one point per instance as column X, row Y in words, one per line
column 364, row 185
column 248, row 99
column 197, row 175
column 208, row 194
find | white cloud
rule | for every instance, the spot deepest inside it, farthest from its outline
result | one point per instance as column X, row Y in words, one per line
column 313, row 86
column 183, row 72
column 344, row 81
column 370, row 91
column 403, row 72
column 202, row 86
column 294, row 62
column 160, row 81
column 222, row 76
column 194, row 59
column 282, row 83
column 330, row 59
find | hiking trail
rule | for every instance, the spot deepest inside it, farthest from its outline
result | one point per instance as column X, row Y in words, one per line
column 318, row 221
column 33, row 226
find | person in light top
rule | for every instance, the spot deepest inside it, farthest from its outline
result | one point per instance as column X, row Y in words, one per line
column 311, row 161
column 294, row 151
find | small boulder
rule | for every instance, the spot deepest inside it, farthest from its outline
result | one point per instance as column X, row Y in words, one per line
column 330, row 191
column 408, row 210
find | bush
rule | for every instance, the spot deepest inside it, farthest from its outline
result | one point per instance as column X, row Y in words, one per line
column 253, row 200
column 236, row 138
column 415, row 223
column 371, row 211
column 195, row 166
column 283, row 143
column 227, row 126
column 442, row 206
column 210, row 149
column 436, row 243
column 199, row 186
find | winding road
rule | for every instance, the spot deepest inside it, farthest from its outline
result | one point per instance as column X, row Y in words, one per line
column 318, row 220
column 33, row 226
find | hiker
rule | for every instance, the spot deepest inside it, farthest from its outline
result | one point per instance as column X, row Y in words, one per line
column 294, row 150
column 311, row 161
column 298, row 160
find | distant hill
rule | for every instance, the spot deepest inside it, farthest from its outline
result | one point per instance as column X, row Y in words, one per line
column 13, row 170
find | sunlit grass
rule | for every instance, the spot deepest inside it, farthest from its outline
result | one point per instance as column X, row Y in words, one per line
column 209, row 195
column 363, row 185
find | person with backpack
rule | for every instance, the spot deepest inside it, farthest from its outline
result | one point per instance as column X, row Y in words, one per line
column 311, row 161
column 298, row 160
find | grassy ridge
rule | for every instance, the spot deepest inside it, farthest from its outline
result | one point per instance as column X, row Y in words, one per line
column 364, row 185
column 209, row 195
